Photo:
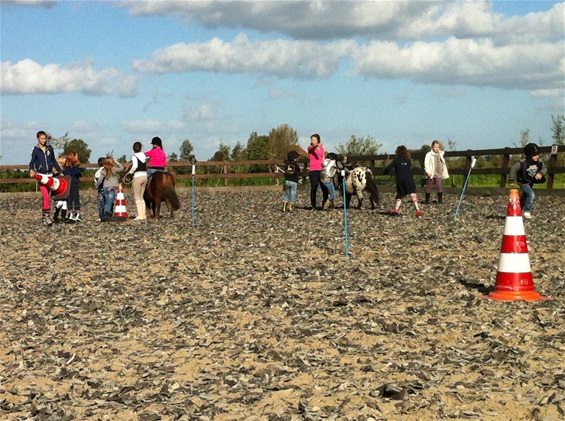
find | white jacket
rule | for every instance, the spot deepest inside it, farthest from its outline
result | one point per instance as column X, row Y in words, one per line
column 430, row 164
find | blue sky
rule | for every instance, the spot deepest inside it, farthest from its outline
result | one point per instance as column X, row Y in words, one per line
column 403, row 72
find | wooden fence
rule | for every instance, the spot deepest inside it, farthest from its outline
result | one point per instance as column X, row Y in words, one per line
column 227, row 170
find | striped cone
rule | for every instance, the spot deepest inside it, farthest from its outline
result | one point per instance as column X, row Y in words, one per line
column 120, row 211
column 514, row 278
column 58, row 186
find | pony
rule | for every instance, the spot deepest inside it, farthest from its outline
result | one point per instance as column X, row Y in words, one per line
column 357, row 181
column 161, row 188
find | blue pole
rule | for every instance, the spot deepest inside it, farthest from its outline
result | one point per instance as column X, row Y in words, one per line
column 193, row 196
column 345, row 216
column 473, row 160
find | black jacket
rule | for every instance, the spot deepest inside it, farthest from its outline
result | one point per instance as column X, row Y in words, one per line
column 43, row 162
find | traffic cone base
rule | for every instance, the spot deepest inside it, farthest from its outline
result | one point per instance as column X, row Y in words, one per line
column 514, row 279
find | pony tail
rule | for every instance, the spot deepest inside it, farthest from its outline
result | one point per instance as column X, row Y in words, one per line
column 372, row 187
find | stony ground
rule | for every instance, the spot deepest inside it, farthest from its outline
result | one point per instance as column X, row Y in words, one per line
column 258, row 315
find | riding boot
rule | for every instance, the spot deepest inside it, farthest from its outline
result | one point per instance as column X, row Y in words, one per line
column 46, row 217
column 427, row 201
column 285, row 206
column 56, row 219
column 63, row 215
column 440, row 197
column 140, row 205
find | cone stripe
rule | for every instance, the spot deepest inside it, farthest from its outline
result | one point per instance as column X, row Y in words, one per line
column 514, row 262
column 514, row 208
column 514, row 244
column 514, row 281
column 514, row 225
column 120, row 210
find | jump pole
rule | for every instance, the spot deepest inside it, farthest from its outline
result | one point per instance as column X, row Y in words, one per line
column 345, row 216
column 473, row 161
column 193, row 192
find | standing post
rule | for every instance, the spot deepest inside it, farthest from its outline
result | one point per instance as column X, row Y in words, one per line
column 473, row 160
column 193, row 161
column 345, row 215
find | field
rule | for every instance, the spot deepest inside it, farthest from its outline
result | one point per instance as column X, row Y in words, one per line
column 258, row 315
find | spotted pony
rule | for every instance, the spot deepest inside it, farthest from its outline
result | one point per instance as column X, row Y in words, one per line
column 357, row 181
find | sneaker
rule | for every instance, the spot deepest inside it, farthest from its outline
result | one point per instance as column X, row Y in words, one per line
column 47, row 221
column 419, row 213
column 527, row 215
column 394, row 212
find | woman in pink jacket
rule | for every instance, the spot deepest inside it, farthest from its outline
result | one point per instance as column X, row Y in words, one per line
column 316, row 153
column 157, row 157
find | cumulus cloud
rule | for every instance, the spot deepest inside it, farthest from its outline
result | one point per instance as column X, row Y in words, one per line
column 28, row 77
column 405, row 19
column 153, row 125
column 42, row 3
column 276, row 57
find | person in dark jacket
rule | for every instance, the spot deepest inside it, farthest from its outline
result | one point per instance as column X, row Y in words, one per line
column 404, row 179
column 42, row 162
column 528, row 172
column 72, row 169
column 291, row 174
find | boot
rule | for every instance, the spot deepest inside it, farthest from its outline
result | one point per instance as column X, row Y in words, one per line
column 291, row 207
column 56, row 219
column 440, row 197
column 285, row 206
column 427, row 201
column 63, row 215
column 71, row 218
column 331, row 204
column 77, row 217
column 140, row 211
column 46, row 217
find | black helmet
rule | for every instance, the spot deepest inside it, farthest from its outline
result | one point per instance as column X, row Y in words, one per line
column 157, row 141
column 531, row 149
column 332, row 156
column 292, row 155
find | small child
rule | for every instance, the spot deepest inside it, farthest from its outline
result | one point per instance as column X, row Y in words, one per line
column 528, row 172
column 329, row 169
column 404, row 179
column 99, row 187
column 72, row 169
column 60, row 205
column 291, row 175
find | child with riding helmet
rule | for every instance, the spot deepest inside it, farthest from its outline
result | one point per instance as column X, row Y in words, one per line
column 527, row 172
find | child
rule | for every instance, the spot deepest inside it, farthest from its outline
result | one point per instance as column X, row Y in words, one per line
column 316, row 153
column 329, row 170
column 528, row 172
column 99, row 186
column 109, row 183
column 60, row 205
column 404, row 179
column 72, row 169
column 42, row 162
column 436, row 170
column 139, row 172
column 291, row 174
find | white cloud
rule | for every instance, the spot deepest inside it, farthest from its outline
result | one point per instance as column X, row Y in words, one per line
column 202, row 112
column 42, row 3
column 28, row 77
column 405, row 19
column 277, row 57
column 152, row 126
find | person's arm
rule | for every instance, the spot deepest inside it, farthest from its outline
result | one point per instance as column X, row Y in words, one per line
column 134, row 164
column 543, row 170
column 389, row 167
column 55, row 162
column 119, row 166
column 514, row 172
column 428, row 165
column 32, row 164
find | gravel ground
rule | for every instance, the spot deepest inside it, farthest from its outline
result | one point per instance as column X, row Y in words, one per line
column 258, row 315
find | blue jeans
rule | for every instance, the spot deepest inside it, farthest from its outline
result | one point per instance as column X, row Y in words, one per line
column 331, row 188
column 290, row 191
column 527, row 199
column 109, row 197
column 101, row 203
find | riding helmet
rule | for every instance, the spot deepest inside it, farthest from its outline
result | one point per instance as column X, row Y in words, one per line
column 531, row 149
column 292, row 155
column 157, row 141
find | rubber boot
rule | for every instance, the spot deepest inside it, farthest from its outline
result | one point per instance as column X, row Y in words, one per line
column 440, row 197
column 331, row 204
column 46, row 217
column 427, row 201
column 285, row 206
column 291, row 207
column 63, row 215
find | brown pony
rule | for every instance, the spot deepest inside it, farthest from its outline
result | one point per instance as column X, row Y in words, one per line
column 161, row 188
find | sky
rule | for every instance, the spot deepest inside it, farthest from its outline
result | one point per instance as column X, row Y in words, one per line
column 476, row 73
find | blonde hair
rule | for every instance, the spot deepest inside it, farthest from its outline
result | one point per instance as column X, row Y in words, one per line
column 72, row 159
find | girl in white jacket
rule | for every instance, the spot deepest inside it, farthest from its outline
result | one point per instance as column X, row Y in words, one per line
column 436, row 170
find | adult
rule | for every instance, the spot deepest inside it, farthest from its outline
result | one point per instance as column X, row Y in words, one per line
column 157, row 157
column 139, row 171
column 42, row 162
column 316, row 153
column 436, row 171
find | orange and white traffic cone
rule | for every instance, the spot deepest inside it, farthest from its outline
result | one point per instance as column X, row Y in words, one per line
column 58, row 186
column 514, row 278
column 120, row 211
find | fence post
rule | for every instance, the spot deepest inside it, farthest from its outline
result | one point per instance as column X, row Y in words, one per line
column 504, row 166
column 552, row 164
column 225, row 170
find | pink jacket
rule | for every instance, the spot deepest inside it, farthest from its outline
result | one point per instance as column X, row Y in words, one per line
column 316, row 158
column 158, row 157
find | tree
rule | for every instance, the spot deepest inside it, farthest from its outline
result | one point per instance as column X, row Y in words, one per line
column 186, row 150
column 80, row 147
column 172, row 157
column 451, row 144
column 257, row 148
column 558, row 129
column 280, row 141
column 222, row 154
column 359, row 146
column 238, row 152
column 59, row 142
column 524, row 138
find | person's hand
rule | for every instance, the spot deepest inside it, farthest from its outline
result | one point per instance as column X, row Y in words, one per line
column 430, row 175
column 539, row 175
column 511, row 184
column 32, row 173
